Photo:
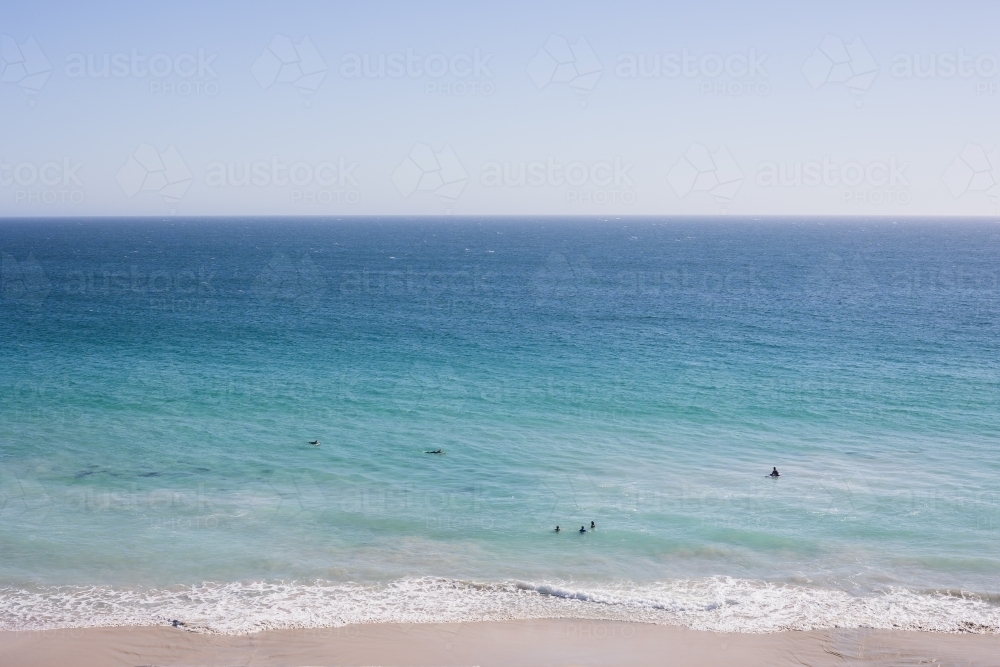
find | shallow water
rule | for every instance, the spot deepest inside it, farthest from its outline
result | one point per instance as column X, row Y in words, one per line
column 162, row 380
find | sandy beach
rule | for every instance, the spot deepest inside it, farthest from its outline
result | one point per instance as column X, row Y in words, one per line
column 493, row 644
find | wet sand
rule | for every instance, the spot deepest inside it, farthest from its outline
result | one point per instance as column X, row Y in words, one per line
column 493, row 644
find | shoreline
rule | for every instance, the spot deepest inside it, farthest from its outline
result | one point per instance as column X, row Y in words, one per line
column 717, row 604
column 492, row 644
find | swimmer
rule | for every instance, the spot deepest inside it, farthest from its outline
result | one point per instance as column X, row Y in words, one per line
column 583, row 529
column 774, row 473
column 592, row 526
column 557, row 529
column 436, row 451
column 314, row 442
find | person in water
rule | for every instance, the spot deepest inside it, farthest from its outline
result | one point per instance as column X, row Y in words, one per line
column 583, row 529
column 557, row 529
column 775, row 473
column 592, row 526
column 436, row 451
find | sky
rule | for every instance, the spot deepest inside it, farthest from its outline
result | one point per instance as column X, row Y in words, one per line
column 505, row 108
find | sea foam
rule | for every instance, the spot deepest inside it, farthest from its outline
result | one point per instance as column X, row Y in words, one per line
column 719, row 603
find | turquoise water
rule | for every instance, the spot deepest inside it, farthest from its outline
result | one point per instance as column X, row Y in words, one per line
column 161, row 381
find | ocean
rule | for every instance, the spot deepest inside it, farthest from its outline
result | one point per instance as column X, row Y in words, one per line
column 162, row 380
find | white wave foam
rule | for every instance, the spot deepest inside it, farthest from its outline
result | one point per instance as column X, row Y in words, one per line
column 721, row 604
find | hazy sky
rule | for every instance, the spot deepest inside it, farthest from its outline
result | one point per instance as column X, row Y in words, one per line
column 593, row 108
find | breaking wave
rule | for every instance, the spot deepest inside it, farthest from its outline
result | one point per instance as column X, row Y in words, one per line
column 719, row 603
